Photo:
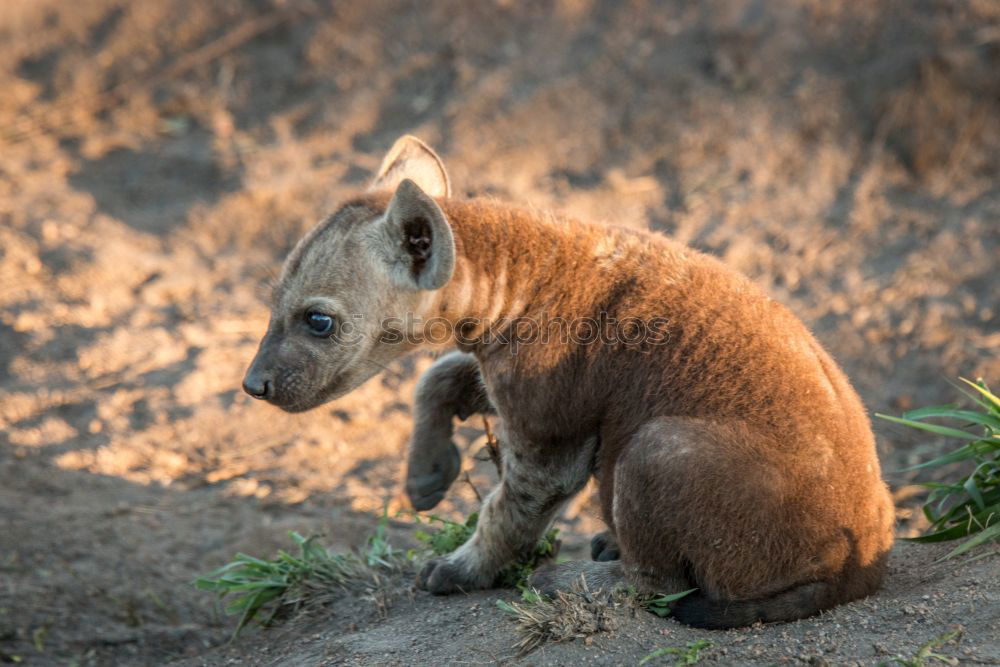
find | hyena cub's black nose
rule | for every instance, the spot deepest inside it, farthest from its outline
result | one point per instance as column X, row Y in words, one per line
column 257, row 386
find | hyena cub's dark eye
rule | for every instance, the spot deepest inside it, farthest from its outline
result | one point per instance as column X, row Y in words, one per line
column 319, row 324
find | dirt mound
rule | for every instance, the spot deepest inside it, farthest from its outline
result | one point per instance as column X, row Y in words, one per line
column 159, row 157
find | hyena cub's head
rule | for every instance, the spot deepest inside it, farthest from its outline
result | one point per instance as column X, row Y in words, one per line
column 348, row 288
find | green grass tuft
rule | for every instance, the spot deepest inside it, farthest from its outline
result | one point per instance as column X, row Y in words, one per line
column 684, row 656
column 286, row 582
column 449, row 537
column 660, row 604
column 452, row 534
column 969, row 507
column 926, row 655
column 267, row 589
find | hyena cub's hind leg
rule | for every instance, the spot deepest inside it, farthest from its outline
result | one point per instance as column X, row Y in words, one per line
column 592, row 575
column 607, row 576
column 604, row 547
column 451, row 387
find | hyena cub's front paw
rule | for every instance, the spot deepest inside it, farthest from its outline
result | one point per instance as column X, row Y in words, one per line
column 430, row 473
column 443, row 576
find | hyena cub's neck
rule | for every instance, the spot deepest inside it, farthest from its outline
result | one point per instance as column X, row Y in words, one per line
column 530, row 268
column 519, row 265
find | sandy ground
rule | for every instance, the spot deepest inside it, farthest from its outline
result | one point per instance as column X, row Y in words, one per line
column 159, row 157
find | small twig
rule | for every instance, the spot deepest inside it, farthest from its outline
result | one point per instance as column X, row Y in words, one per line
column 468, row 480
column 492, row 446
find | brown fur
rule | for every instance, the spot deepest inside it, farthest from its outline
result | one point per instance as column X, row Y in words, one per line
column 734, row 458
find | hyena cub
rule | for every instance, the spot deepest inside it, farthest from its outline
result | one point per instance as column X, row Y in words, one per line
column 730, row 451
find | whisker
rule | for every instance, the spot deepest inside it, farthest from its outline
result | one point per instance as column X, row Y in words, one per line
column 267, row 285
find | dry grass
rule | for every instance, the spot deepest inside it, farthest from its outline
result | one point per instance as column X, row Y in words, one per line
column 577, row 614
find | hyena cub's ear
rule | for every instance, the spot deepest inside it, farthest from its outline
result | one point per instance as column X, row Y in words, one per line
column 413, row 159
column 417, row 239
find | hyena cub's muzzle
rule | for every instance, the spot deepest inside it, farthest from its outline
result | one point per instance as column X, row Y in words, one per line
column 279, row 381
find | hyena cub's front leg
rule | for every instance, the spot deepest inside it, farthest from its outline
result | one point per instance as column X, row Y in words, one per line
column 451, row 387
column 512, row 520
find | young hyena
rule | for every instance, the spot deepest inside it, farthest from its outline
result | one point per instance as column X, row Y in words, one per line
column 731, row 453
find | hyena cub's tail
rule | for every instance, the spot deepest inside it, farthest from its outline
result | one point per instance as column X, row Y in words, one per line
column 700, row 611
